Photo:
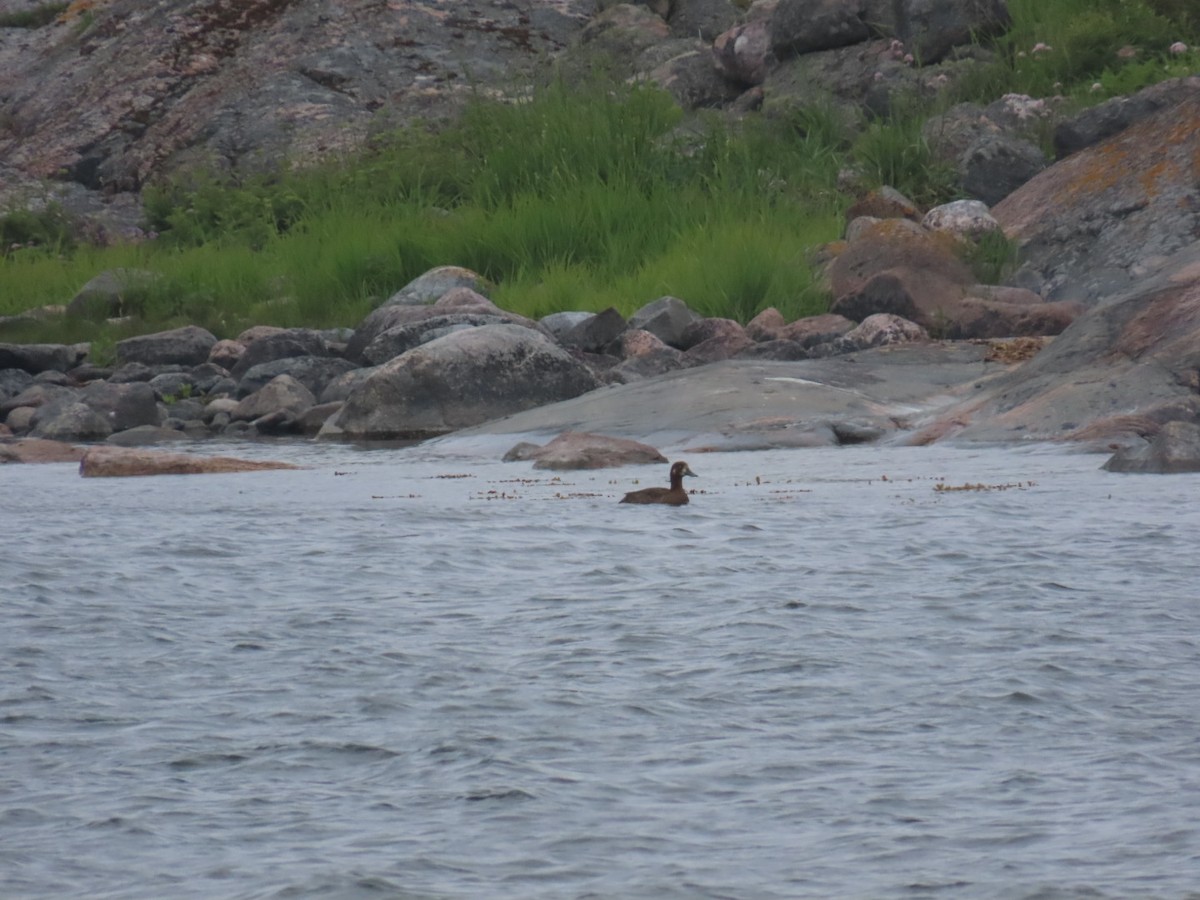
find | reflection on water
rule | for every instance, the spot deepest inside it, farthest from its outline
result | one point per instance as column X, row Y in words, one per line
column 404, row 673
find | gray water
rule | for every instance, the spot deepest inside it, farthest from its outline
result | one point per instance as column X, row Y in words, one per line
column 405, row 673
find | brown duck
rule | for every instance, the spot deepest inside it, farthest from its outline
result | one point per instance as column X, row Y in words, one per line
column 675, row 495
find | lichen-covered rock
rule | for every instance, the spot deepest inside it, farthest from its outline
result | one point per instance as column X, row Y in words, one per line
column 1094, row 223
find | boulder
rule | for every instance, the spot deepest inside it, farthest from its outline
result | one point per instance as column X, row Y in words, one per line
column 559, row 323
column 691, row 78
column 803, row 26
column 1113, row 116
column 724, row 344
column 121, row 462
column 282, row 393
column 35, row 358
column 707, row 329
column 995, row 165
column 883, row 203
column 12, row 382
column 37, row 395
column 462, row 379
column 581, row 450
column 69, row 420
column 930, row 29
column 187, row 346
column 314, row 372
column 123, row 405
column 890, row 244
column 766, row 326
column 880, row 330
column 288, row 343
column 703, row 18
column 226, row 353
column 666, row 318
column 813, row 330
column 778, row 349
column 106, row 295
column 432, row 285
column 743, row 53
column 390, row 343
column 595, row 333
column 1175, row 448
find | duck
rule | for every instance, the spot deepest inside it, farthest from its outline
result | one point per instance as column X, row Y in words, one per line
column 675, row 495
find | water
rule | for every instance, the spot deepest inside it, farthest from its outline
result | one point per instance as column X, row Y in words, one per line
column 409, row 674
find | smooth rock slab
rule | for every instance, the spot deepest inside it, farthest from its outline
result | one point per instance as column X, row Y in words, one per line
column 124, row 462
column 581, row 450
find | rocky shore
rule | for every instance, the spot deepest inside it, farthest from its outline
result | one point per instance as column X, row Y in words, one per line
column 1094, row 340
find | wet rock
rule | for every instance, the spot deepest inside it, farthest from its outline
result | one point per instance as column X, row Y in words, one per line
column 122, row 462
column 581, row 450
column 187, row 346
column 458, row 380
column 123, row 405
column 1175, row 448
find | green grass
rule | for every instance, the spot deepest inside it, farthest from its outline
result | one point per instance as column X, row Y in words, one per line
column 569, row 200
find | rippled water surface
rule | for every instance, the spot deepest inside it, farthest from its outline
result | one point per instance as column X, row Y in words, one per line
column 401, row 673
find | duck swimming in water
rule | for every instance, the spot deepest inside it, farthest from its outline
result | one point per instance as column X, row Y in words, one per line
column 675, row 495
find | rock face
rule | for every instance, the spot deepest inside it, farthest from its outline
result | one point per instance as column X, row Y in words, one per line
column 1092, row 224
column 462, row 379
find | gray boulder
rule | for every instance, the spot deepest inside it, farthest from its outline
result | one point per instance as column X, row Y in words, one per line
column 802, row 26
column 35, row 358
column 701, row 18
column 595, row 333
column 559, row 323
column 930, row 29
column 314, row 372
column 1175, row 448
column 995, row 165
column 282, row 394
column 36, row 395
column 187, row 346
column 431, row 286
column 666, row 318
column 123, row 405
column 399, row 339
column 1113, row 116
column 462, row 379
column 283, row 344
column 69, row 420
column 12, row 382
column 107, row 294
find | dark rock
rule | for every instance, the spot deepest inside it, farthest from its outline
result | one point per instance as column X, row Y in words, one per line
column 123, row 405
column 112, row 462
column 314, row 372
column 666, row 318
column 187, row 346
column 803, row 26
column 174, row 385
column 458, row 380
column 315, row 417
column 12, row 382
column 703, row 18
column 340, row 387
column 52, row 377
column 930, row 29
column 848, row 433
column 580, row 450
column 86, row 372
column 595, row 333
column 995, row 165
column 706, row 329
column 185, row 410
column 1113, row 116
column 35, row 358
column 136, row 371
column 285, row 344
column 559, row 323
column 399, row 339
column 37, row 395
column 107, row 294
column 1175, row 448
column 282, row 393
column 721, row 345
column 69, row 420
